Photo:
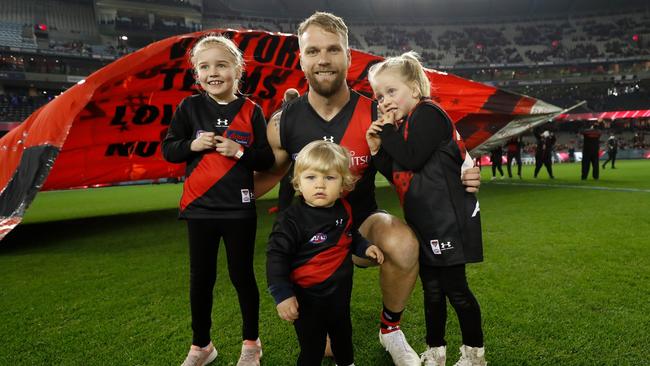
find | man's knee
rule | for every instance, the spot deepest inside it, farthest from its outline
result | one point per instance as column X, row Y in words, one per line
column 395, row 238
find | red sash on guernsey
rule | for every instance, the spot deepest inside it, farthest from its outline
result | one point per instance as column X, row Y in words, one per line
column 402, row 179
column 324, row 264
column 354, row 138
column 213, row 166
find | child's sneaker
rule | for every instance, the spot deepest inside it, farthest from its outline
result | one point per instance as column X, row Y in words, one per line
column 471, row 356
column 434, row 356
column 251, row 352
column 200, row 356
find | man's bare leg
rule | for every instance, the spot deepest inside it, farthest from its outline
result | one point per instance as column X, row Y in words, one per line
column 400, row 268
column 397, row 278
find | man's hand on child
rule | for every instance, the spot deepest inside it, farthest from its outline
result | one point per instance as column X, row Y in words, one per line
column 471, row 178
column 205, row 141
column 288, row 309
column 375, row 253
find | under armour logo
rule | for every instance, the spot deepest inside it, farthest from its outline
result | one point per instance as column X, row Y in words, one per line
column 328, row 138
column 221, row 122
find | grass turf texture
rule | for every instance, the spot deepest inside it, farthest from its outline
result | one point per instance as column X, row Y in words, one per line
column 100, row 277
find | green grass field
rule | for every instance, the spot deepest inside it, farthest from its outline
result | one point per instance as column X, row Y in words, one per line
column 100, row 277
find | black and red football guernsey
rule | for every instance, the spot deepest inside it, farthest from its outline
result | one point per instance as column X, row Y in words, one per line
column 217, row 186
column 300, row 124
column 423, row 159
column 310, row 250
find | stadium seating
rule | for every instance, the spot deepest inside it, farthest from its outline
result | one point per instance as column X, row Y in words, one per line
column 11, row 35
column 527, row 42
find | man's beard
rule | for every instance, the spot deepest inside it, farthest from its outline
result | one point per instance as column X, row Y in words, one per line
column 325, row 89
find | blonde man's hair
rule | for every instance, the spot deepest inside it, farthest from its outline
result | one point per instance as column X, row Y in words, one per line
column 409, row 68
column 323, row 156
column 218, row 40
column 328, row 22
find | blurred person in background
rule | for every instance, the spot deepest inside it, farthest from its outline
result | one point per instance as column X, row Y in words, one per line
column 612, row 150
column 544, row 152
column 513, row 152
column 496, row 155
column 590, row 147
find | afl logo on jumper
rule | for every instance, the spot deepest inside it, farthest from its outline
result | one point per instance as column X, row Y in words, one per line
column 318, row 238
column 240, row 137
column 438, row 247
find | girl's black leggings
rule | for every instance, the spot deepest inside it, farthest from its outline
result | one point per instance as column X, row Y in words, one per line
column 439, row 284
column 239, row 239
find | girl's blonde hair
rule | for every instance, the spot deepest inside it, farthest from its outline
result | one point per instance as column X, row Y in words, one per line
column 218, row 40
column 409, row 68
column 323, row 156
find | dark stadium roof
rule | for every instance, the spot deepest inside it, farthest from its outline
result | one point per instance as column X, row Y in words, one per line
column 404, row 10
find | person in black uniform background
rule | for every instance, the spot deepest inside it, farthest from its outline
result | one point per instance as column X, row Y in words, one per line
column 590, row 152
column 222, row 138
column 496, row 157
column 544, row 151
column 416, row 146
column 309, row 255
column 513, row 151
column 612, row 150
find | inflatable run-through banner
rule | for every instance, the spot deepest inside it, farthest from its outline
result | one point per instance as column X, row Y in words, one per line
column 108, row 128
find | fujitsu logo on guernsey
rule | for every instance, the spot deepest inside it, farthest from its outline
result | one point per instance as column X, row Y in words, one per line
column 438, row 247
column 328, row 138
column 358, row 161
column 318, row 238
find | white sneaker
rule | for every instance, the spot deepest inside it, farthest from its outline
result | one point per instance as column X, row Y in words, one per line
column 200, row 356
column 250, row 353
column 471, row 356
column 400, row 350
column 434, row 356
